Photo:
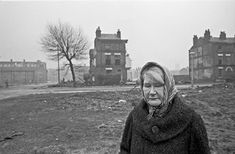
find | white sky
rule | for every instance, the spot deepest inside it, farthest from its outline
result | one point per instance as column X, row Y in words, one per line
column 160, row 31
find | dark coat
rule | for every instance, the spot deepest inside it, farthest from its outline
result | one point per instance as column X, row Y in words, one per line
column 181, row 131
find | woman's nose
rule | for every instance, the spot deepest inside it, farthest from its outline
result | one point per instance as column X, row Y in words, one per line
column 152, row 91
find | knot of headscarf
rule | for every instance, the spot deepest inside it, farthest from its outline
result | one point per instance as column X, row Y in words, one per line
column 169, row 90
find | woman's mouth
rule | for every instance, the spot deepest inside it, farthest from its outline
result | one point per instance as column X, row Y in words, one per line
column 153, row 98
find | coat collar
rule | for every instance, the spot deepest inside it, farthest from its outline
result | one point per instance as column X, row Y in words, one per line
column 173, row 123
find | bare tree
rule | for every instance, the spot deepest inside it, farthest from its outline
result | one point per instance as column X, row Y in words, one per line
column 62, row 41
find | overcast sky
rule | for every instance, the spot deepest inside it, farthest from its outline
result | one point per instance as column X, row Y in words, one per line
column 156, row 30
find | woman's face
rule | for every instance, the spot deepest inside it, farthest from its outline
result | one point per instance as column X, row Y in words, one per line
column 153, row 86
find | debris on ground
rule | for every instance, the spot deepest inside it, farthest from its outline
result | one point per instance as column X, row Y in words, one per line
column 93, row 122
column 11, row 136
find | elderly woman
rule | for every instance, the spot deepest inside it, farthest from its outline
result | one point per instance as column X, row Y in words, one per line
column 161, row 122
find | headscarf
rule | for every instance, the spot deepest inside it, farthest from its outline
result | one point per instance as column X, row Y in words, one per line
column 169, row 89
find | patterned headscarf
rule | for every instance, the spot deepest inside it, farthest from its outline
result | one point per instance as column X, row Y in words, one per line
column 169, row 89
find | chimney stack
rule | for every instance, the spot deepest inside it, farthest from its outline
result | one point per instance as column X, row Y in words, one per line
column 98, row 32
column 195, row 40
column 222, row 35
column 119, row 33
column 207, row 34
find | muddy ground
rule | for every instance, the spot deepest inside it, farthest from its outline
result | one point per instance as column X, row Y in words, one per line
column 93, row 122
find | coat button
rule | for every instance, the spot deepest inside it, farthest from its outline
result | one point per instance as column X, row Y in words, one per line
column 155, row 129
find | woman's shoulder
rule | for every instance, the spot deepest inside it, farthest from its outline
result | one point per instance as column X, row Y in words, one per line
column 194, row 115
column 182, row 104
column 140, row 106
column 139, row 110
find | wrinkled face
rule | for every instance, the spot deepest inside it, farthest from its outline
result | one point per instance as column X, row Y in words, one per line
column 153, row 86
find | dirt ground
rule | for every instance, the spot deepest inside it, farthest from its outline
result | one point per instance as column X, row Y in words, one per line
column 93, row 122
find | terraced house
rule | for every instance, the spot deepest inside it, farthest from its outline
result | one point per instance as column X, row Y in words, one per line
column 22, row 72
column 108, row 59
column 212, row 58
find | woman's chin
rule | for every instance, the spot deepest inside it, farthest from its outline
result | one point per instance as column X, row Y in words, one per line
column 155, row 102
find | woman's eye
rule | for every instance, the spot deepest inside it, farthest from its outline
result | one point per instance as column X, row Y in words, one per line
column 147, row 85
column 158, row 85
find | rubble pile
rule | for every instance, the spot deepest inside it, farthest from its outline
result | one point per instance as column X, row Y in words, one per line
column 93, row 122
column 217, row 107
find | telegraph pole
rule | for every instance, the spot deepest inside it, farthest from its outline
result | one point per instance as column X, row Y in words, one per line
column 192, row 73
column 58, row 56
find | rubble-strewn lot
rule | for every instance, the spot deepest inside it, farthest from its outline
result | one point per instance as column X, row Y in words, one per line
column 93, row 122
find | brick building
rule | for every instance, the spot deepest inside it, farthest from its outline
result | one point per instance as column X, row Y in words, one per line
column 22, row 72
column 212, row 58
column 108, row 59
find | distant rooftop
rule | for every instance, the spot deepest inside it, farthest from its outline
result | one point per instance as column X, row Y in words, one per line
column 113, row 37
column 218, row 40
column 109, row 36
column 11, row 61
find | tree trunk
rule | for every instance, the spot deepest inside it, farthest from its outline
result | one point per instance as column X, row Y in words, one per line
column 73, row 74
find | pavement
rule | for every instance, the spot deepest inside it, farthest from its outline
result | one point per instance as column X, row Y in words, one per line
column 14, row 91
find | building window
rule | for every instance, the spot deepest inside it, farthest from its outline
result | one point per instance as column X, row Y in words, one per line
column 108, row 70
column 220, row 61
column 228, row 60
column 219, row 47
column 220, row 54
column 117, row 61
column 220, row 69
column 227, row 54
column 220, row 73
column 199, row 52
column 107, row 46
column 229, row 69
column 117, row 57
column 107, row 59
